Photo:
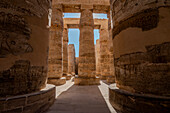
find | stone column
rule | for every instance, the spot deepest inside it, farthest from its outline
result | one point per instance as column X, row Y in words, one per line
column 98, row 58
column 87, row 67
column 111, row 78
column 104, row 54
column 65, row 52
column 23, row 47
column 55, row 50
column 141, row 41
column 71, row 59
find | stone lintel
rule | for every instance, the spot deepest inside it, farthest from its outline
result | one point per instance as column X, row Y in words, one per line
column 86, row 6
column 75, row 6
column 74, row 23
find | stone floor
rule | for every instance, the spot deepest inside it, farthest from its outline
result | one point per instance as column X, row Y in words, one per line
column 81, row 99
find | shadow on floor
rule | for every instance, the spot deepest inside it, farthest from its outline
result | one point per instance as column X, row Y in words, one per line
column 80, row 99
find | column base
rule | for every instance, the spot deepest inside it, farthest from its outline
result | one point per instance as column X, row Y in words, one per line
column 86, row 81
column 37, row 102
column 126, row 102
column 68, row 77
column 103, row 77
column 57, row 82
column 110, row 79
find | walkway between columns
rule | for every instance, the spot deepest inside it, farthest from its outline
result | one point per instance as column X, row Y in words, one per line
column 80, row 99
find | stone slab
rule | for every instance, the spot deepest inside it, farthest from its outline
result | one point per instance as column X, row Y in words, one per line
column 126, row 102
column 57, row 81
column 36, row 102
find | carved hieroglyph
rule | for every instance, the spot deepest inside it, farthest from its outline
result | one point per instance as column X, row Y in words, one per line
column 141, row 41
column 23, row 46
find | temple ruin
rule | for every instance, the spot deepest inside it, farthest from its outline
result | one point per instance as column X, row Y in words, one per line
column 127, row 71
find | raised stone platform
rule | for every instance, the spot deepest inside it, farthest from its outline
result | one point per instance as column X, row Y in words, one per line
column 37, row 102
column 86, row 81
column 57, row 82
column 126, row 102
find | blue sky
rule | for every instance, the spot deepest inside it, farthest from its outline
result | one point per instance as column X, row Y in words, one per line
column 74, row 34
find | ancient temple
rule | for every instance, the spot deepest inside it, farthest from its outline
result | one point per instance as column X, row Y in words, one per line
column 126, row 71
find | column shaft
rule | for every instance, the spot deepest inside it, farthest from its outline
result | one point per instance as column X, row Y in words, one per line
column 104, row 54
column 97, row 48
column 87, row 67
column 55, row 50
column 65, row 52
column 141, row 41
column 71, row 59
column 23, row 47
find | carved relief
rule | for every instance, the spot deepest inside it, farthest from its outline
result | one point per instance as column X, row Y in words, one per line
column 27, row 7
column 14, row 38
column 151, row 68
column 22, row 78
column 142, row 14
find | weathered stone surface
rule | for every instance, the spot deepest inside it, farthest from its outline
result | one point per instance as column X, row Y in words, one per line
column 141, row 50
column 55, row 49
column 104, row 54
column 97, row 51
column 24, row 46
column 71, row 59
column 127, row 102
column 57, row 82
column 87, row 64
column 73, row 6
column 37, row 102
column 65, row 53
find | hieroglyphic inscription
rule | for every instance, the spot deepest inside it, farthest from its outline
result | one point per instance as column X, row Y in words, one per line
column 22, row 78
column 14, row 35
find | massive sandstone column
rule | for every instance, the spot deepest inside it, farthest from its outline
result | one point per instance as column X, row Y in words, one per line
column 104, row 54
column 23, row 56
column 65, row 52
column 97, row 50
column 55, row 49
column 141, row 40
column 87, row 68
column 111, row 78
column 71, row 59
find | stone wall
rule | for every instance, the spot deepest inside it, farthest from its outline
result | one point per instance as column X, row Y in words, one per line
column 37, row 102
column 23, row 46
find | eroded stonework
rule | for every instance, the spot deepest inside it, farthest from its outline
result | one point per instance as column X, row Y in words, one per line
column 23, row 52
column 22, row 78
column 135, row 70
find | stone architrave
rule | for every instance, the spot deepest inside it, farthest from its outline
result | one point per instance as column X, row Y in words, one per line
column 141, row 41
column 65, row 52
column 55, row 49
column 87, row 64
column 71, row 59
